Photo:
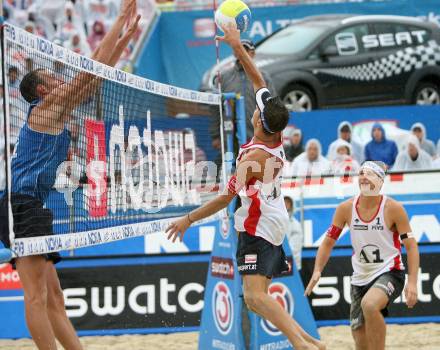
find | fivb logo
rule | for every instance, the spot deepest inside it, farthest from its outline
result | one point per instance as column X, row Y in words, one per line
column 222, row 308
column 284, row 297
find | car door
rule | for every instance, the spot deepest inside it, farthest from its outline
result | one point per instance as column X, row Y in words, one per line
column 342, row 66
column 395, row 62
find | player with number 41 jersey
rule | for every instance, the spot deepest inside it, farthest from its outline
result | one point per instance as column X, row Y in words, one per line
column 378, row 224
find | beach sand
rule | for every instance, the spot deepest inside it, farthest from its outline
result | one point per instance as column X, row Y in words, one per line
column 403, row 337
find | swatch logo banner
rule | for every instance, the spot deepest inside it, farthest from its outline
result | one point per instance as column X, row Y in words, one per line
column 282, row 295
column 222, row 308
column 222, row 267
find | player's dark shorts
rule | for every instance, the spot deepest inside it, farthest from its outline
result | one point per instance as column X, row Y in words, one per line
column 255, row 255
column 31, row 219
column 391, row 283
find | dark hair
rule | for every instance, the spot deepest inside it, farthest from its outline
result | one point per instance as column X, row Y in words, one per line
column 29, row 83
column 12, row 69
column 345, row 128
column 276, row 114
column 289, row 199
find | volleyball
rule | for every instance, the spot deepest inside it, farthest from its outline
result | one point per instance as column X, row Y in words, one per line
column 233, row 11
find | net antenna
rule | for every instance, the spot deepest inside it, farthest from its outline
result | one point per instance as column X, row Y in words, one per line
column 152, row 136
column 219, row 88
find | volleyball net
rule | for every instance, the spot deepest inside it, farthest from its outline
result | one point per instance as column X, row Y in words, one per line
column 133, row 153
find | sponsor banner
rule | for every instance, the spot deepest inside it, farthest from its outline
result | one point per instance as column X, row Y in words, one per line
column 145, row 295
column 221, row 324
column 331, row 297
column 288, row 291
column 9, row 278
column 222, row 267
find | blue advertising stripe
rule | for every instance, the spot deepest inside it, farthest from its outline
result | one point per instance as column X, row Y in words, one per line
column 166, row 259
column 389, row 320
column 137, row 331
column 11, row 293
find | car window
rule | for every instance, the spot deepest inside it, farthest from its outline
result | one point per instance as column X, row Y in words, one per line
column 292, row 39
column 346, row 41
column 389, row 35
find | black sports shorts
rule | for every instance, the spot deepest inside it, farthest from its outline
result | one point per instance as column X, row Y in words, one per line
column 392, row 283
column 255, row 255
column 31, row 219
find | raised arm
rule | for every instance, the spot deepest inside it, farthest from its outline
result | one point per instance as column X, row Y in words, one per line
column 250, row 166
column 63, row 99
column 232, row 37
column 326, row 247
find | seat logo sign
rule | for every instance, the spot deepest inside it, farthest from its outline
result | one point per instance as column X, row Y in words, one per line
column 222, row 308
column 346, row 44
column 284, row 297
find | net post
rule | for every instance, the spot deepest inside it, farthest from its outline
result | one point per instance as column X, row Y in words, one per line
column 5, row 254
column 241, row 119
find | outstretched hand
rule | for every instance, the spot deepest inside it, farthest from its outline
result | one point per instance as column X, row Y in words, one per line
column 132, row 26
column 411, row 295
column 313, row 281
column 128, row 9
column 177, row 229
column 231, row 35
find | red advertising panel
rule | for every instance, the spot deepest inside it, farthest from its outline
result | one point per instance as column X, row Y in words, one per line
column 96, row 168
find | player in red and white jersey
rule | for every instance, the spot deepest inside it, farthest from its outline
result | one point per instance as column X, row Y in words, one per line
column 263, row 212
column 262, row 220
column 377, row 226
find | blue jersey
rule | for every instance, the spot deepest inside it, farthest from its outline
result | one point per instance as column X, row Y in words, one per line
column 36, row 159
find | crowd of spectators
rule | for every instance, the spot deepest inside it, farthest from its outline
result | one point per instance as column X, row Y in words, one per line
column 345, row 155
column 76, row 24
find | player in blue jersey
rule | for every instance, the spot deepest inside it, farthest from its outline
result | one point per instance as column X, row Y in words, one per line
column 42, row 146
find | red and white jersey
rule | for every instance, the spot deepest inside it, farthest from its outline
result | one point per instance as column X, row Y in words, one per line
column 376, row 249
column 263, row 212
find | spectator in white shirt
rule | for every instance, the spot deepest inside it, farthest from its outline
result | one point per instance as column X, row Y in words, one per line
column 428, row 146
column 51, row 9
column 79, row 45
column 345, row 130
column 413, row 157
column 311, row 162
column 102, row 10
column 69, row 24
column 344, row 163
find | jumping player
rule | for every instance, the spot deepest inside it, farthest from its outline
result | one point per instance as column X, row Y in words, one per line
column 42, row 146
column 377, row 224
column 262, row 219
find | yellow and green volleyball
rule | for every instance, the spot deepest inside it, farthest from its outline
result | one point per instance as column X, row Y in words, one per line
column 233, row 11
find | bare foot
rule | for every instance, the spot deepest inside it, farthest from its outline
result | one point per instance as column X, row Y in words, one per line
column 321, row 345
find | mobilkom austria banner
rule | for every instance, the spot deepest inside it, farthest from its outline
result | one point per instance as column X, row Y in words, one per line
column 181, row 47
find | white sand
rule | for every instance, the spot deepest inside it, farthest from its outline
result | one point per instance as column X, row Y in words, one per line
column 408, row 337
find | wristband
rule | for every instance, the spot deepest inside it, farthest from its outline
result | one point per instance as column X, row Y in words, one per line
column 334, row 232
column 406, row 235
